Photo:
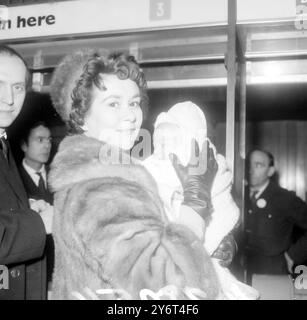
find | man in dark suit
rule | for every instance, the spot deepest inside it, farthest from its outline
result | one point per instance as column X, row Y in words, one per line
column 36, row 145
column 271, row 214
column 22, row 230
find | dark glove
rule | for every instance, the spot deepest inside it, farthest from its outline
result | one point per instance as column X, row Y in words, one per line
column 196, row 179
column 226, row 251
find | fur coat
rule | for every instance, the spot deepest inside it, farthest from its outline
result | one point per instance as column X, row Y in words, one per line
column 112, row 237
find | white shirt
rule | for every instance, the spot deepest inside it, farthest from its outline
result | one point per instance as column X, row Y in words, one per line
column 3, row 135
column 260, row 190
column 33, row 175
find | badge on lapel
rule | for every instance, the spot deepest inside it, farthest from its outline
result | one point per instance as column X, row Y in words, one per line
column 261, row 203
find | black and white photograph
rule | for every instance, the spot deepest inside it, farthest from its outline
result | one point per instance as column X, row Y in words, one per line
column 153, row 150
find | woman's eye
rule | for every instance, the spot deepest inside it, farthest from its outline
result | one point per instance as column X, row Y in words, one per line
column 135, row 104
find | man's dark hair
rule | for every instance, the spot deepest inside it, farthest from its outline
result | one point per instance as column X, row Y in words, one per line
column 8, row 51
column 27, row 132
column 269, row 155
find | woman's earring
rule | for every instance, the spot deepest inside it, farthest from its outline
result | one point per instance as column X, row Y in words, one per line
column 84, row 127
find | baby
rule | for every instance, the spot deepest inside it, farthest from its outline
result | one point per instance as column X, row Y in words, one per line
column 174, row 133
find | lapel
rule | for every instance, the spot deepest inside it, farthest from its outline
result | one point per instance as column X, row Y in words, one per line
column 266, row 195
column 32, row 189
column 29, row 184
column 11, row 175
column 265, row 198
column 269, row 191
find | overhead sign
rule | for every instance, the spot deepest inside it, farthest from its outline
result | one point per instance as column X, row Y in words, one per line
column 94, row 16
column 160, row 9
column 266, row 10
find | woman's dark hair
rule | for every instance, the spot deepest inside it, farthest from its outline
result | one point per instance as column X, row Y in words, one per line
column 122, row 65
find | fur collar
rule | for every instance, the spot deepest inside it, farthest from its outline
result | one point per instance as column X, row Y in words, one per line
column 80, row 158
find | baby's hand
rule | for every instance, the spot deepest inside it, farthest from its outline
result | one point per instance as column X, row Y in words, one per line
column 226, row 251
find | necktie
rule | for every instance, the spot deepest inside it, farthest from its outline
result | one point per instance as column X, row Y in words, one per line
column 3, row 147
column 41, row 184
column 253, row 196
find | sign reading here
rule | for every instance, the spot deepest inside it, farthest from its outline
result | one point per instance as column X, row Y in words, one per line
column 21, row 22
column 34, row 21
column 72, row 17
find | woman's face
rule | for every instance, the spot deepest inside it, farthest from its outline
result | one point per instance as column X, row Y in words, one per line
column 115, row 115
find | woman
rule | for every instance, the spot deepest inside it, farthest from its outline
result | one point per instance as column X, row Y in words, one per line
column 113, row 239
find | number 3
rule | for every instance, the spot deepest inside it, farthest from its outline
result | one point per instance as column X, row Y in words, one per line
column 160, row 9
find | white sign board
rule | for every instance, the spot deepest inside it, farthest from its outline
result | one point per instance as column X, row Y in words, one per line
column 96, row 16
column 102, row 16
column 265, row 10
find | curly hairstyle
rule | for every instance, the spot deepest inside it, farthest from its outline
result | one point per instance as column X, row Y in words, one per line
column 77, row 75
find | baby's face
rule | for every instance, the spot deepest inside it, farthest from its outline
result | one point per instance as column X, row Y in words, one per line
column 169, row 138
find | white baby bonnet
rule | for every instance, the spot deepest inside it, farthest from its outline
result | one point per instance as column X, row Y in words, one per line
column 191, row 121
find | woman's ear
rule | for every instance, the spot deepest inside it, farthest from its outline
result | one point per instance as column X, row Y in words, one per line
column 84, row 127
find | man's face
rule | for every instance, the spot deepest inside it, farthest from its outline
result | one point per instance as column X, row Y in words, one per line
column 12, row 88
column 259, row 169
column 38, row 147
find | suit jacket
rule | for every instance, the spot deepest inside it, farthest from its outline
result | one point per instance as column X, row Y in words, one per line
column 33, row 192
column 22, row 238
column 32, row 189
column 269, row 224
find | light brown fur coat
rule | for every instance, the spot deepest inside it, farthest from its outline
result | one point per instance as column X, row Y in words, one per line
column 111, row 232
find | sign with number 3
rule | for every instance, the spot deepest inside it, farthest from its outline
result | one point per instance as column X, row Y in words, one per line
column 160, row 9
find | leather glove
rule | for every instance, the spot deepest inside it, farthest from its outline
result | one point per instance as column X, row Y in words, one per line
column 197, row 186
column 226, row 251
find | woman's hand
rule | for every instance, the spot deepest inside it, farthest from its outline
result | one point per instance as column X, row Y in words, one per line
column 226, row 251
column 197, row 179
